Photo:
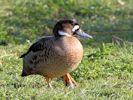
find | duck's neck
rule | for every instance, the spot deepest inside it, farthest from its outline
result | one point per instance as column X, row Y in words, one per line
column 62, row 33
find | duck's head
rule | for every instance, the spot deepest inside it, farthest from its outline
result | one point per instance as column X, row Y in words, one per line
column 69, row 28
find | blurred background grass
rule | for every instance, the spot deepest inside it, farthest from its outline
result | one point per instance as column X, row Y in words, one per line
column 22, row 20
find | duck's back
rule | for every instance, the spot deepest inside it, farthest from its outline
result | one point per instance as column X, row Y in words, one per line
column 53, row 57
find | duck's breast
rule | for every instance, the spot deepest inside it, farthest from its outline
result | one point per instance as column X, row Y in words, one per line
column 68, row 53
column 73, row 50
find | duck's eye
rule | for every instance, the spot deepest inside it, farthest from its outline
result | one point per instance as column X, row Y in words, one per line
column 75, row 32
column 75, row 28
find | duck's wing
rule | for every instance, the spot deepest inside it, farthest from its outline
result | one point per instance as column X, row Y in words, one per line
column 38, row 46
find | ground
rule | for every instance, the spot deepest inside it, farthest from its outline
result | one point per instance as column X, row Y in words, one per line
column 105, row 72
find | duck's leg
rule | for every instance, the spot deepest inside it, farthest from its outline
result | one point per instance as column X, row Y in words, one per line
column 48, row 81
column 69, row 81
column 74, row 82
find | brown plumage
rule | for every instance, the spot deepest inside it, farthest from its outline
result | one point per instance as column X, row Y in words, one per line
column 57, row 55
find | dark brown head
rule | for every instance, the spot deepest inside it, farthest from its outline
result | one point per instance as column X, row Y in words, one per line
column 68, row 28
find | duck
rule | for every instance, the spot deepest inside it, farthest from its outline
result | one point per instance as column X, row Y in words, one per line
column 57, row 55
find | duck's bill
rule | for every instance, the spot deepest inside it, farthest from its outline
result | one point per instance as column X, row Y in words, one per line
column 83, row 34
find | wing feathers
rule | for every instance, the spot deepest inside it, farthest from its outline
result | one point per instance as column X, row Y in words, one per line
column 37, row 46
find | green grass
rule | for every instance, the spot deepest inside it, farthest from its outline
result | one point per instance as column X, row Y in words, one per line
column 22, row 20
column 106, row 71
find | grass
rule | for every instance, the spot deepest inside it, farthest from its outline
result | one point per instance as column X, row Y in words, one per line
column 22, row 20
column 106, row 71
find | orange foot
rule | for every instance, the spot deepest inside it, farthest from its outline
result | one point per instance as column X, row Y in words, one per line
column 69, row 81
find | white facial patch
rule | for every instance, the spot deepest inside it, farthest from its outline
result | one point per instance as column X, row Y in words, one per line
column 63, row 33
column 75, row 28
